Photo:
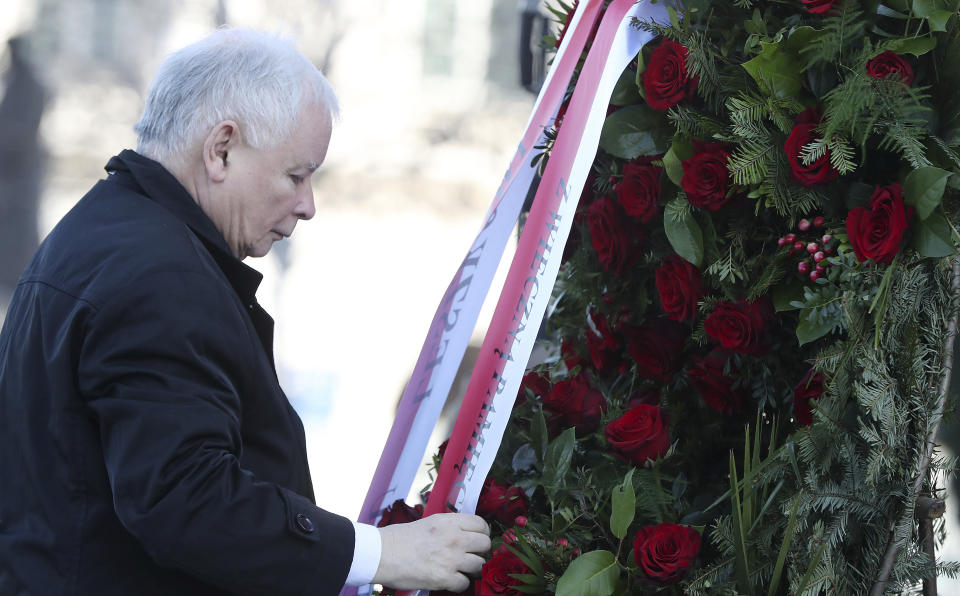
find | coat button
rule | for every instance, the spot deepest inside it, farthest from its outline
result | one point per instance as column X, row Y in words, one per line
column 304, row 523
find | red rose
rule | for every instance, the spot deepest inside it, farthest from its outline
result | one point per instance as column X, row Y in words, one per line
column 400, row 513
column 741, row 326
column 810, row 388
column 502, row 503
column 705, row 177
column 442, row 449
column 716, row 388
column 680, row 288
column 609, row 235
column 603, row 343
column 656, row 347
column 666, row 82
column 877, row 231
column 537, row 383
column 666, row 551
column 819, row 6
column 639, row 190
column 573, row 402
column 495, row 574
column 640, row 434
column 889, row 63
column 804, row 131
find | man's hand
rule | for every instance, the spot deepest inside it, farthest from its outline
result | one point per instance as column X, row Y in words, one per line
column 433, row 553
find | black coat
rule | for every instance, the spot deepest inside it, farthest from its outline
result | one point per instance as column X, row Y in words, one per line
column 145, row 444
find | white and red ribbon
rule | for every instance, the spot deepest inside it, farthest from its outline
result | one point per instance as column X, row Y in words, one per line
column 523, row 301
column 459, row 309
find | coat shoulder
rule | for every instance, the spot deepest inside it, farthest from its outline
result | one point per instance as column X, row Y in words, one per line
column 112, row 238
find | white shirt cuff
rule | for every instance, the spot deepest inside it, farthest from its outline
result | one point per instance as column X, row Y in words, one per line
column 366, row 555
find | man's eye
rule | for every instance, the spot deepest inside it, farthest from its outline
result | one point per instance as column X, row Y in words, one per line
column 296, row 179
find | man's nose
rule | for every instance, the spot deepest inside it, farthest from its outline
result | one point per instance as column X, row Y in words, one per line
column 306, row 208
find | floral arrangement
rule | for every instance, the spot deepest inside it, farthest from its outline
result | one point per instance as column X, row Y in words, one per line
column 754, row 317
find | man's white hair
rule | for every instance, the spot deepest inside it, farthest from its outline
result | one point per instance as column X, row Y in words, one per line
column 257, row 79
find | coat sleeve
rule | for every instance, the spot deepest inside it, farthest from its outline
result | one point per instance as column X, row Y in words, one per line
column 158, row 367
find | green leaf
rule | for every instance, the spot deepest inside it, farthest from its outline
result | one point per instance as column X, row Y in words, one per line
column 558, row 457
column 917, row 46
column 685, row 237
column 933, row 237
column 641, row 68
column 633, row 131
column 625, row 91
column 740, row 548
column 623, row 506
column 680, row 150
column 538, row 434
column 776, row 70
column 800, row 38
column 805, row 580
column 591, row 574
column 784, row 547
column 937, row 12
column 784, row 294
column 527, row 555
column 809, row 328
column 938, row 20
column 923, row 188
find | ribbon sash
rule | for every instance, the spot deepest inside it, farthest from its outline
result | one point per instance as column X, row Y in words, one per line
column 509, row 340
column 455, row 318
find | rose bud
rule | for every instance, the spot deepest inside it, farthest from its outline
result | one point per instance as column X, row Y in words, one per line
column 814, row 275
column 798, row 246
column 819, row 256
column 803, row 267
column 819, row 221
column 520, row 521
column 813, row 247
column 820, row 269
column 562, row 543
column 826, row 238
column 804, row 225
column 790, row 238
column 782, row 241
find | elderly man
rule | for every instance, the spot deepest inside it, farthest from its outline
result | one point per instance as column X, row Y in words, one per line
column 145, row 444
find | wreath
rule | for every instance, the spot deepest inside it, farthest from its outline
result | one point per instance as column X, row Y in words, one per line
column 752, row 329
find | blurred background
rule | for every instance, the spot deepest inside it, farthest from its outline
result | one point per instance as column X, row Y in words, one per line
column 434, row 96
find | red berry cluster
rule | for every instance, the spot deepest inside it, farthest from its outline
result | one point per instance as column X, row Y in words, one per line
column 815, row 247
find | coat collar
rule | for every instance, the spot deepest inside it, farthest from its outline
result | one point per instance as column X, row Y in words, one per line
column 151, row 179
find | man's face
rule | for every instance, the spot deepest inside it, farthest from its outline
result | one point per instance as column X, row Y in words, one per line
column 267, row 190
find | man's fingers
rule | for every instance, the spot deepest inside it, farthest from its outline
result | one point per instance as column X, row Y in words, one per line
column 458, row 583
column 473, row 523
column 471, row 564
column 476, row 543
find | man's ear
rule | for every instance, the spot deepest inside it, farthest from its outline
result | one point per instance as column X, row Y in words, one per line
column 223, row 138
